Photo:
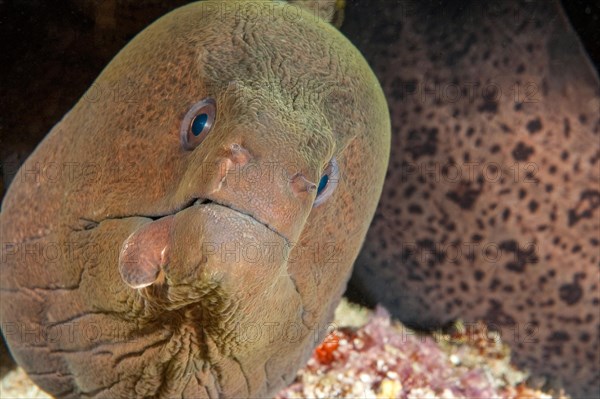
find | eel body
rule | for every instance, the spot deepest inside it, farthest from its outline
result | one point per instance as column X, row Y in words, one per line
column 491, row 205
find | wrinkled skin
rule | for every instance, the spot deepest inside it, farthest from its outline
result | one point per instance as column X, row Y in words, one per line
column 514, row 239
column 252, row 272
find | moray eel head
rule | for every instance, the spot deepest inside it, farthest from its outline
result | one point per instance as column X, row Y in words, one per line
column 205, row 201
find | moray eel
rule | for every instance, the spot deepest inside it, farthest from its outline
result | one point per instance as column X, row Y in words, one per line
column 491, row 205
column 194, row 238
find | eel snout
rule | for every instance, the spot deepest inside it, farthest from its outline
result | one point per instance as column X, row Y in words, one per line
column 199, row 243
column 145, row 252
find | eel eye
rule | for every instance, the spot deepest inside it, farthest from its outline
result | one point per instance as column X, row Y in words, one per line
column 328, row 182
column 197, row 123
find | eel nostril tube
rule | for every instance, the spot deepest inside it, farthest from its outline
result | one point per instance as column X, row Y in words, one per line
column 301, row 184
column 239, row 154
column 145, row 252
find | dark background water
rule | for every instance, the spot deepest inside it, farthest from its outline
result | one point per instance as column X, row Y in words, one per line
column 585, row 18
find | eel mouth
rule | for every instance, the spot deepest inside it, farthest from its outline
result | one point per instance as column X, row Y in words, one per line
column 89, row 223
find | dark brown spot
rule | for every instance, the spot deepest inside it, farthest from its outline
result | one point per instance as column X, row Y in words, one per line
column 494, row 284
column 409, row 190
column 464, row 196
column 521, row 68
column 533, row 206
column 414, row 208
column 496, row 315
column 521, row 152
column 589, row 201
column 489, row 106
column 570, row 293
column 505, row 128
column 567, row 127
column 521, row 257
column 584, row 337
column 559, row 336
column 508, row 288
column 505, row 214
column 479, row 275
column 534, row 125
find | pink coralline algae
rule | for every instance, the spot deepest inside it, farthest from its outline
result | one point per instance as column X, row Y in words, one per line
column 383, row 359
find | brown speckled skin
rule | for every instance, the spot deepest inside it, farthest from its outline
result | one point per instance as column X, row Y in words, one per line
column 425, row 255
column 293, row 93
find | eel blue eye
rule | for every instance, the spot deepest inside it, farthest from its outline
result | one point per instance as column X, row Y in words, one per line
column 322, row 184
column 197, row 123
column 328, row 183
